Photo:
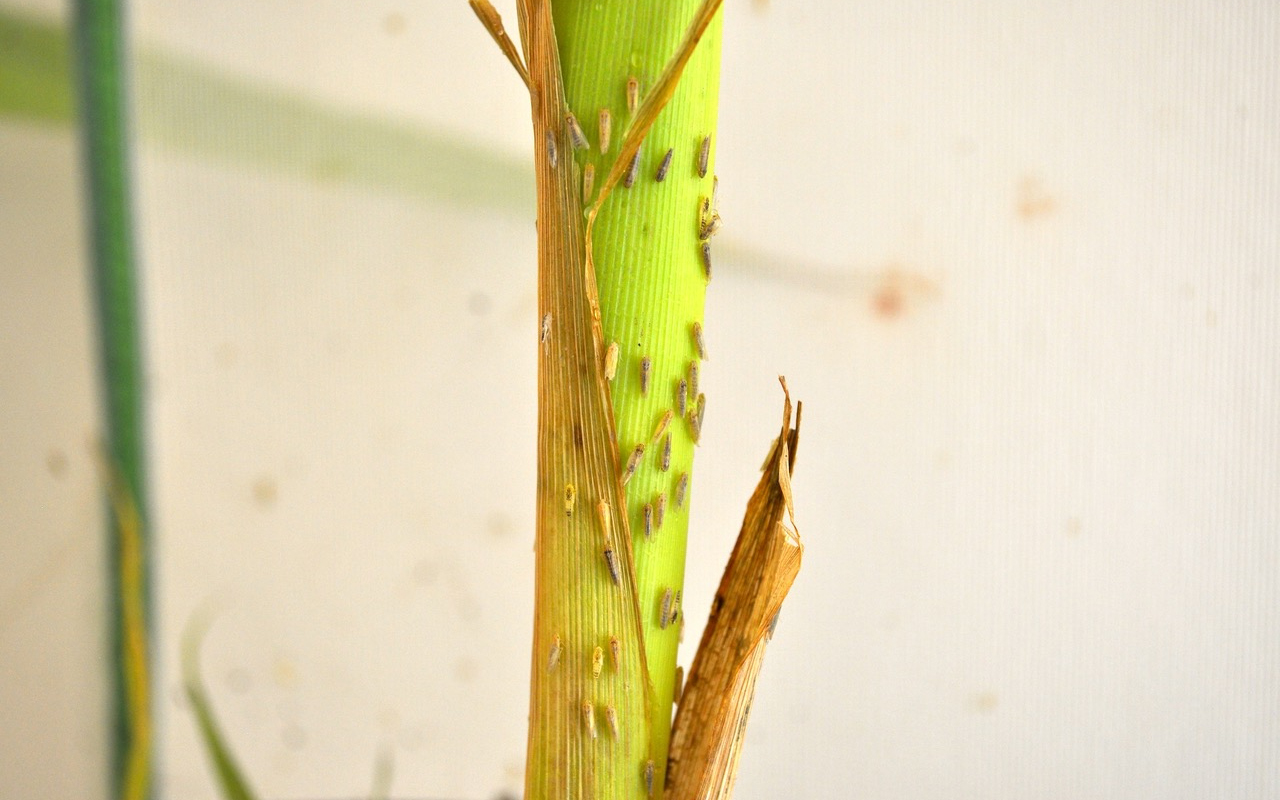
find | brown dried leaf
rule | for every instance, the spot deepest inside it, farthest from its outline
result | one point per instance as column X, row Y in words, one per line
column 492, row 22
column 706, row 739
column 584, row 596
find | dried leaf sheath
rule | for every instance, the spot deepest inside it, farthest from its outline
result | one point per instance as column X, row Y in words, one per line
column 707, row 736
column 576, row 598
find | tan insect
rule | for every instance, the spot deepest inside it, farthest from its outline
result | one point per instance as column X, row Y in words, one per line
column 645, row 365
column 693, row 379
column 611, row 714
column 665, row 464
column 588, row 182
column 606, row 520
column 704, row 155
column 554, row 657
column 682, row 389
column 552, row 158
column 632, row 462
column 633, row 94
column 648, row 521
column 663, row 424
column 589, row 717
column 706, row 259
column 697, row 416
column 681, row 486
column 606, row 129
column 576, row 137
column 546, row 329
column 664, row 618
column 678, row 685
column 648, row 777
column 698, row 341
column 611, row 361
column 570, row 498
column 597, row 662
column 615, row 650
column 660, row 510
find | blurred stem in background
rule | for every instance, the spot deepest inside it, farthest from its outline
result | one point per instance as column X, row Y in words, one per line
column 101, row 70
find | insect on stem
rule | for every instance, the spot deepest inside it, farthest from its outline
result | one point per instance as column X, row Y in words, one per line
column 611, row 361
column 663, row 424
column 577, row 138
column 664, row 166
column 632, row 170
column 554, row 657
column 632, row 462
column 611, row 561
column 633, row 94
column 606, row 129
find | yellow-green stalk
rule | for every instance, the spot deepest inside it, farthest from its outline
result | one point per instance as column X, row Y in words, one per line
column 648, row 257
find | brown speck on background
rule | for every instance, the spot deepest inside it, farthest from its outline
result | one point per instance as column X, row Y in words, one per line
column 985, row 702
column 293, row 737
column 465, row 670
column 478, row 303
column 1073, row 527
column 283, row 673
column 896, row 291
column 425, row 572
column 225, row 355
column 499, row 524
column 394, row 23
column 239, row 680
column 468, row 608
column 265, row 492
column 888, row 301
column 56, row 462
column 1034, row 201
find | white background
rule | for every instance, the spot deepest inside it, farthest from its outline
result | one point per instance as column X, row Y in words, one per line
column 1019, row 260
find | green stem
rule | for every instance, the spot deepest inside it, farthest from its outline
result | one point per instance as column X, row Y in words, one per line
column 101, row 70
column 652, row 282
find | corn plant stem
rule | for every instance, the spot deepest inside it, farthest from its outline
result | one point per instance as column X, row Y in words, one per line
column 651, row 277
column 101, row 70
